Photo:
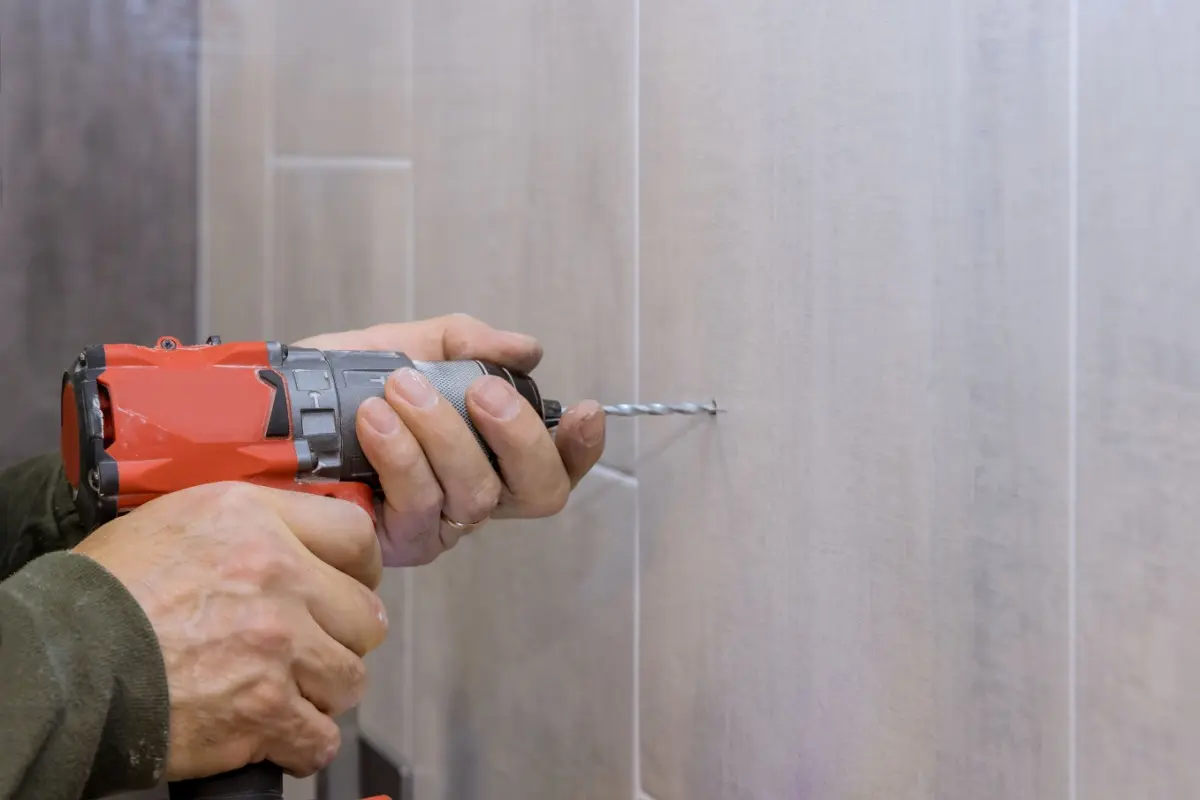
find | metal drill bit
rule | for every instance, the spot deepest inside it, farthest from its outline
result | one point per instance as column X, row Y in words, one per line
column 662, row 409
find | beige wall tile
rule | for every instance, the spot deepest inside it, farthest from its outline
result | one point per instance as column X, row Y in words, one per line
column 341, row 249
column 342, row 78
column 524, row 154
column 386, row 713
column 299, row 788
column 524, row 657
column 1139, row 402
column 854, row 232
column 235, row 77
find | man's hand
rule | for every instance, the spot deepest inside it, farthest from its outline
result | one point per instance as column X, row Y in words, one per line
column 263, row 606
column 429, row 464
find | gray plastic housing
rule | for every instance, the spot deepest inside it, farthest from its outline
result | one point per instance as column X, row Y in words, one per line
column 326, row 388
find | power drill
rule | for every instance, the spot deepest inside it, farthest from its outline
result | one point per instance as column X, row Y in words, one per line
column 141, row 422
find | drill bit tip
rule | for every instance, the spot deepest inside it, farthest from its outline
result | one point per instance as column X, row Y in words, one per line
column 662, row 409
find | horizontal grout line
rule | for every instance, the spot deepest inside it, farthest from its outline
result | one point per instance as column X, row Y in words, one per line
column 612, row 473
column 288, row 162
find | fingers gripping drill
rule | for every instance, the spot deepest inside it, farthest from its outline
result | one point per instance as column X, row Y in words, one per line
column 141, row 422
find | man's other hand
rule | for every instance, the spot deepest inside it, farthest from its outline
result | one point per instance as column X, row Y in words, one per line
column 263, row 606
column 430, row 466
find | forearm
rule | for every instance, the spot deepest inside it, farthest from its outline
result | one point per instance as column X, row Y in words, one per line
column 37, row 515
column 85, row 702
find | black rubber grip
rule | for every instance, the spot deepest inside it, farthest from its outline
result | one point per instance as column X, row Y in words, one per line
column 262, row 781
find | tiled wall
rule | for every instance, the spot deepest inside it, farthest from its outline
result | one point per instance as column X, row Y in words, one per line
column 97, row 193
column 936, row 261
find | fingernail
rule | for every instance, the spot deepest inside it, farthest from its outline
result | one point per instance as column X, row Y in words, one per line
column 381, row 610
column 498, row 398
column 414, row 388
column 592, row 428
column 379, row 416
column 528, row 341
column 329, row 755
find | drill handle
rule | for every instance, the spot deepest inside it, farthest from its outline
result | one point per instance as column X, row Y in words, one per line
column 262, row 781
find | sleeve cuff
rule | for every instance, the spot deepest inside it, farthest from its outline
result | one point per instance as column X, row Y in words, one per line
column 66, row 513
column 83, row 606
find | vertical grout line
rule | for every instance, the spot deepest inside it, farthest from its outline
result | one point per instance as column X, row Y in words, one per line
column 271, row 57
column 411, row 123
column 637, row 394
column 1072, row 391
column 203, row 302
column 408, row 656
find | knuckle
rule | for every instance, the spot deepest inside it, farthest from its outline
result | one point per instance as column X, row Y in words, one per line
column 355, row 681
column 484, row 498
column 427, row 507
column 363, row 543
column 407, row 526
column 314, row 742
column 456, row 335
column 553, row 501
column 225, row 499
column 328, row 741
column 403, row 454
column 269, row 699
column 329, row 737
column 236, row 495
column 261, row 561
column 356, row 675
column 269, row 633
column 348, row 680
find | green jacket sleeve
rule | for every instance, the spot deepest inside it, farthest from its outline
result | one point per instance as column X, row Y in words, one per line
column 84, row 695
column 37, row 514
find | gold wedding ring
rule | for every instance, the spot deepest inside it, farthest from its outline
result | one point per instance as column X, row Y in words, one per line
column 461, row 527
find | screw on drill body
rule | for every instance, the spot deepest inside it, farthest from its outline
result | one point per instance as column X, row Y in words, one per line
column 661, row 409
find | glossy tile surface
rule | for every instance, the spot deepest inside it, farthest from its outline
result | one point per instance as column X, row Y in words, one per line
column 341, row 252
column 1139, row 401
column 342, row 78
column 524, row 174
column 524, row 656
column 98, row 184
column 235, row 190
column 853, row 585
column 386, row 713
